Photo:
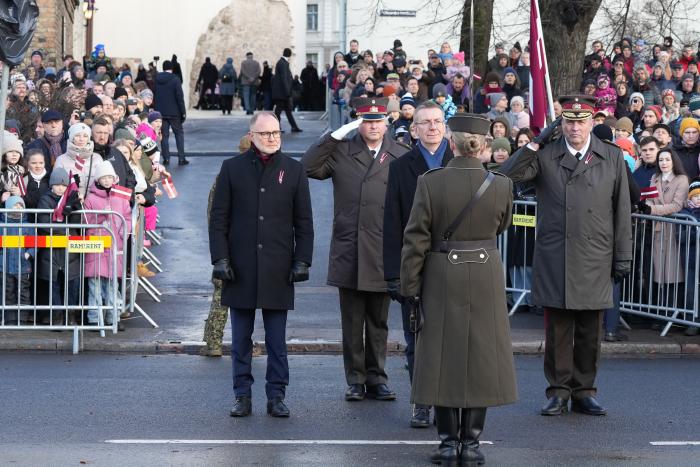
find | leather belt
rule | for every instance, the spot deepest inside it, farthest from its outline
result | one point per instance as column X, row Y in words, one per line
column 444, row 246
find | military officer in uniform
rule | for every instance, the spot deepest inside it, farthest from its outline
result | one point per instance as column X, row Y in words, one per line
column 359, row 168
column 584, row 236
column 452, row 271
column 261, row 242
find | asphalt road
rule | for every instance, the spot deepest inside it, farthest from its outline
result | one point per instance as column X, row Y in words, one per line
column 92, row 409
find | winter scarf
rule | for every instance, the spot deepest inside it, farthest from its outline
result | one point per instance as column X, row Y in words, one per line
column 54, row 146
column 74, row 151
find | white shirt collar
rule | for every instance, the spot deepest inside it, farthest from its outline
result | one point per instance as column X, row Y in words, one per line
column 375, row 149
column 583, row 151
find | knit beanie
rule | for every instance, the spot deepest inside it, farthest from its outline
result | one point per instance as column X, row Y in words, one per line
column 59, row 176
column 637, row 95
column 12, row 201
column 146, row 93
column 517, row 99
column 494, row 97
column 439, row 90
column 603, row 132
column 119, row 92
column 656, row 109
column 149, row 146
column 78, row 128
column 625, row 124
column 407, row 99
column 501, row 143
column 694, row 103
column 154, row 115
column 392, row 106
column 92, row 101
column 12, row 144
column 510, row 70
column 694, row 188
column 688, row 122
column 104, row 169
column 668, row 92
column 124, row 133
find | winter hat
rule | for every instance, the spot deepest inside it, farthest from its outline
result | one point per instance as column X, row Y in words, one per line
column 124, row 133
column 149, row 146
column 638, row 95
column 12, row 201
column 625, row 124
column 688, row 122
column 439, row 90
column 154, row 115
column 12, row 144
column 59, row 176
column 603, row 77
column 603, row 132
column 392, row 106
column 510, row 70
column 92, row 101
column 656, row 109
column 694, row 188
column 501, row 143
column 13, row 126
column 146, row 93
column 397, row 43
column 77, row 128
column 694, row 103
column 120, row 92
column 407, row 99
column 104, row 169
column 517, row 99
column 494, row 97
column 668, row 92
column 50, row 71
column 688, row 76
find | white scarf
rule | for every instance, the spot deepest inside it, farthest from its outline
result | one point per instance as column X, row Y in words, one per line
column 37, row 177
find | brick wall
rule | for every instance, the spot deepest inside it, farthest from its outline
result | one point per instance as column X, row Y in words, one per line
column 54, row 33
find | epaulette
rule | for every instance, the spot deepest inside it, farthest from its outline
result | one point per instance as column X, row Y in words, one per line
column 403, row 145
column 499, row 173
column 607, row 141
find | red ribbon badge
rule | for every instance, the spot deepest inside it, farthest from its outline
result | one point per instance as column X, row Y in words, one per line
column 280, row 177
column 382, row 157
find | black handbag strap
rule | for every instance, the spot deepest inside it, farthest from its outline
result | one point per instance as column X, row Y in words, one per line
column 460, row 217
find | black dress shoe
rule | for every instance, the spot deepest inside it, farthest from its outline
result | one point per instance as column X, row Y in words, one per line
column 615, row 337
column 166, row 162
column 555, row 406
column 242, row 407
column 380, row 392
column 587, row 405
column 277, row 408
column 446, row 454
column 421, row 417
column 183, row 162
column 472, row 456
column 355, row 392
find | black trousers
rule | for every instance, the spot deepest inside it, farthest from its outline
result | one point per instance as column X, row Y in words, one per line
column 286, row 105
column 176, row 124
column 226, row 103
column 364, row 318
column 204, row 87
column 572, row 350
column 409, row 337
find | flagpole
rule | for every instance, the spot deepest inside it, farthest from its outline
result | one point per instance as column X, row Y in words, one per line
column 471, row 57
column 548, row 85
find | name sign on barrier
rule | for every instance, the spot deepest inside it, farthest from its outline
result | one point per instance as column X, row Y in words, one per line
column 524, row 220
column 86, row 246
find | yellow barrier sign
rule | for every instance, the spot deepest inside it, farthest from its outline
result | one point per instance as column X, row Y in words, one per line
column 524, row 220
column 86, row 246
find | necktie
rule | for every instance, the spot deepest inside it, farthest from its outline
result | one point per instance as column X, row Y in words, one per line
column 373, row 153
column 578, row 156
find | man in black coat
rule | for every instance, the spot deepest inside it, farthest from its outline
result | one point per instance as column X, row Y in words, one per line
column 432, row 151
column 206, row 81
column 54, row 141
column 261, row 242
column 282, row 89
column 170, row 102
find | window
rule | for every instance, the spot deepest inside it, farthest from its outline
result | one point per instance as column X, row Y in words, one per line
column 312, row 17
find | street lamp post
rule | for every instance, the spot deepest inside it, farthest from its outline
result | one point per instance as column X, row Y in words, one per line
column 88, row 12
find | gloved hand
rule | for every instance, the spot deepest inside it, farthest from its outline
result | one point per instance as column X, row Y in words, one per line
column 182, row 119
column 222, row 270
column 299, row 272
column 394, row 288
column 343, row 131
column 412, row 300
column 621, row 269
column 72, row 204
column 547, row 134
column 644, row 208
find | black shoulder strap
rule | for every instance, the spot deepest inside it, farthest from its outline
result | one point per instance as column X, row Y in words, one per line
column 460, row 217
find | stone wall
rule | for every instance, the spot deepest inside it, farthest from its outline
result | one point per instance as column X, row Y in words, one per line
column 54, row 33
column 263, row 27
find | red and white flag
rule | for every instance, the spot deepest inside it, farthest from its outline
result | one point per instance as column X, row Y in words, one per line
column 79, row 163
column 539, row 75
column 22, row 187
column 121, row 192
column 649, row 192
column 57, row 215
column 170, row 189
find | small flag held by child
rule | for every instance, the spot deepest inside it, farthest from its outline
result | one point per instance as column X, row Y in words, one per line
column 121, row 192
column 169, row 187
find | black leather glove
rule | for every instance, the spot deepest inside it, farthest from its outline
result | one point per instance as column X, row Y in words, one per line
column 299, row 272
column 644, row 208
column 621, row 269
column 546, row 135
column 222, row 270
column 72, row 204
column 412, row 300
column 393, row 286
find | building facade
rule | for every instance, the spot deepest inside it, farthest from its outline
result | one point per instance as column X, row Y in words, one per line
column 54, row 33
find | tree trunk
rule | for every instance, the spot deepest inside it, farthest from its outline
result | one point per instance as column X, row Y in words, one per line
column 566, row 24
column 483, row 21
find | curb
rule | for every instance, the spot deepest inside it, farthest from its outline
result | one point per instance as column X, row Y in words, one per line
column 311, row 347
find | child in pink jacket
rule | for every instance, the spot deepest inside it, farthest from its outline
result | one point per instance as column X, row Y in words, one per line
column 606, row 97
column 98, row 266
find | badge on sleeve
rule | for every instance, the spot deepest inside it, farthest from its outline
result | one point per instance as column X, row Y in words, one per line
column 280, row 177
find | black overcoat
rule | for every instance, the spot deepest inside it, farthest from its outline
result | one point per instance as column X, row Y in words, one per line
column 261, row 221
column 282, row 81
column 400, row 190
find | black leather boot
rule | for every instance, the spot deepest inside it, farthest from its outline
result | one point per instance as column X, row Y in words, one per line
column 472, row 424
column 448, row 431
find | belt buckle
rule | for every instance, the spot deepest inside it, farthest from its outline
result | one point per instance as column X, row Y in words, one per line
column 479, row 256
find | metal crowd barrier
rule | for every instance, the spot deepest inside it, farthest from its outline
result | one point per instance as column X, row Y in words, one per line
column 663, row 284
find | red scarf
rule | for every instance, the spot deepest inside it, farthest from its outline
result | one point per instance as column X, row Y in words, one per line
column 265, row 158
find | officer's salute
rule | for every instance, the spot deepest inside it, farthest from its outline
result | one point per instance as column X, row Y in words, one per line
column 584, row 236
column 450, row 266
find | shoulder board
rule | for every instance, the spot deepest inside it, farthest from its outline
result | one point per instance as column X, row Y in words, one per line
column 404, row 145
column 433, row 170
column 607, row 141
column 498, row 173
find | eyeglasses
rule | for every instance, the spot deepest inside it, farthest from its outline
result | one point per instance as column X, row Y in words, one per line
column 267, row 134
column 430, row 123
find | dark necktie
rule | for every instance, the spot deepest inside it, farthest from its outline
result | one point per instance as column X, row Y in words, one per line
column 372, row 153
column 578, row 156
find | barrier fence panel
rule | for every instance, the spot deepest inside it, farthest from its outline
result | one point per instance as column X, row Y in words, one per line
column 62, row 275
column 663, row 284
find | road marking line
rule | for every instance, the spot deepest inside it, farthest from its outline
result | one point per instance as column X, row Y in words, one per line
column 674, row 443
column 353, row 442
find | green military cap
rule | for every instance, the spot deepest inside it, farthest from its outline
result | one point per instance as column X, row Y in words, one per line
column 469, row 123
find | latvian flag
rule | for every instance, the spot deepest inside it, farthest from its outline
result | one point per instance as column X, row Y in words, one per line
column 121, row 192
column 21, row 185
column 79, row 163
column 649, row 192
column 169, row 187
